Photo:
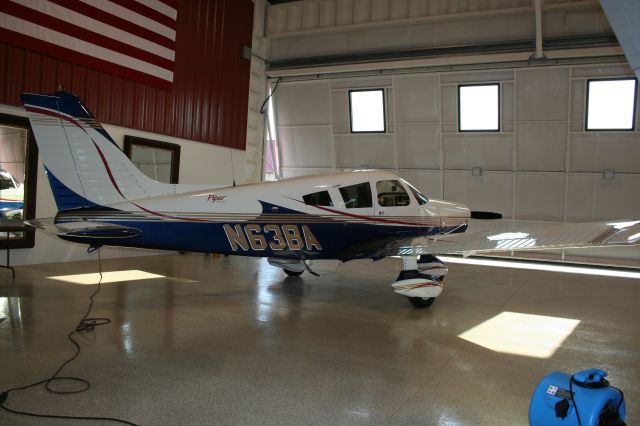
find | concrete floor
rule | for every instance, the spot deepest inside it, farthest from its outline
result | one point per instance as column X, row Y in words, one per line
column 233, row 341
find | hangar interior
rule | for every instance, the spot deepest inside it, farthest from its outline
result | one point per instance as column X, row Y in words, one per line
column 267, row 90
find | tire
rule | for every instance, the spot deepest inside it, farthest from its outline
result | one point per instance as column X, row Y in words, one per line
column 292, row 273
column 420, row 302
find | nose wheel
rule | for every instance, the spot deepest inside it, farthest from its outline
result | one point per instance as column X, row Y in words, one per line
column 420, row 279
column 292, row 273
column 421, row 302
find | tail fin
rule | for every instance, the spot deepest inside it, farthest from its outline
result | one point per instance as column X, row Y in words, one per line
column 84, row 165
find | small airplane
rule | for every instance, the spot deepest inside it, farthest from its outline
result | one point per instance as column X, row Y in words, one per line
column 11, row 196
column 103, row 199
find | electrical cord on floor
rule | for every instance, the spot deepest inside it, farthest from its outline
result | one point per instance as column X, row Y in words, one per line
column 85, row 325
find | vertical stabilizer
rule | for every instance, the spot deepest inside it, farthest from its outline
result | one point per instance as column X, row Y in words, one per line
column 84, row 165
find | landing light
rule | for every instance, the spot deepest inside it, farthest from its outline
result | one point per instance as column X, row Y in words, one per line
column 515, row 333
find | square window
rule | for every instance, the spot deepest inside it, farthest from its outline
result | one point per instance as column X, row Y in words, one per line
column 479, row 107
column 18, row 175
column 611, row 104
column 158, row 160
column 367, row 111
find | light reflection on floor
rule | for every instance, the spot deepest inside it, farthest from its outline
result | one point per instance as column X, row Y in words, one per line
column 515, row 333
column 10, row 307
column 267, row 276
column 107, row 277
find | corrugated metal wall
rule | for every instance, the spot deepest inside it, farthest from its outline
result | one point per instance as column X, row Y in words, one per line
column 209, row 99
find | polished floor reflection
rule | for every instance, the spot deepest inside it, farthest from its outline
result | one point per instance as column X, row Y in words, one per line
column 206, row 340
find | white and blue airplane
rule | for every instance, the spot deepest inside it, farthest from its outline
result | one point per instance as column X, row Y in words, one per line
column 103, row 199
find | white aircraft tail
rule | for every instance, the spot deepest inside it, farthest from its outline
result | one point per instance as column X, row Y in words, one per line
column 84, row 165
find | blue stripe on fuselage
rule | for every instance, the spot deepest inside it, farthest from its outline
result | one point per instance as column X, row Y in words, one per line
column 11, row 205
column 342, row 241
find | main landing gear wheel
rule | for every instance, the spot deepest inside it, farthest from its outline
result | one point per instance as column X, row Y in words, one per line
column 421, row 302
column 292, row 273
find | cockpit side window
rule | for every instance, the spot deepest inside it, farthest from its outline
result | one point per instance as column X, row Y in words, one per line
column 357, row 196
column 391, row 193
column 321, row 198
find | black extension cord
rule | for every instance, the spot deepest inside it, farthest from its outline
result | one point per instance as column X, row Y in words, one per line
column 85, row 325
column 575, row 406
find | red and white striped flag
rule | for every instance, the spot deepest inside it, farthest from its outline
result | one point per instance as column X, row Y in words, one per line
column 134, row 39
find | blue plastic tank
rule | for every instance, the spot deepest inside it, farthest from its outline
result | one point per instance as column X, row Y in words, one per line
column 552, row 403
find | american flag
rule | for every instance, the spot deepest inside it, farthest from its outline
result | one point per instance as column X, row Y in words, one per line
column 134, row 39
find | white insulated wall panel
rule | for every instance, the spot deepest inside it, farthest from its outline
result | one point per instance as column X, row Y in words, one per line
column 417, row 99
column 449, row 108
column 303, row 104
column 493, row 151
column 429, row 182
column 289, row 172
column 365, row 151
column 540, row 196
column 596, row 151
column 308, row 146
column 542, row 146
column 542, row 94
column 593, row 198
column 493, row 191
column 580, row 197
column 418, row 146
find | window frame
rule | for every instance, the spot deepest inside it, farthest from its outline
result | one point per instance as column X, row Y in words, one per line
column 499, row 129
column 400, row 185
column 129, row 141
column 635, row 105
column 344, row 202
column 30, row 182
column 319, row 192
column 384, row 112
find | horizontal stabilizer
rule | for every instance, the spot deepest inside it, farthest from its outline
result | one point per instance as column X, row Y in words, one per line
column 88, row 230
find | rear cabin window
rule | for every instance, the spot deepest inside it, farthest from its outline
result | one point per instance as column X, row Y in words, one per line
column 321, row 198
column 357, row 196
column 391, row 193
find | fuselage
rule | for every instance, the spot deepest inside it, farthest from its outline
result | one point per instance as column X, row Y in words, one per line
column 342, row 215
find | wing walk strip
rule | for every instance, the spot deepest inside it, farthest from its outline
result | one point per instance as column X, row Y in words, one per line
column 604, row 236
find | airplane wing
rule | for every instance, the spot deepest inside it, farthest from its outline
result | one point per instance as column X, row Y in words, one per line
column 508, row 235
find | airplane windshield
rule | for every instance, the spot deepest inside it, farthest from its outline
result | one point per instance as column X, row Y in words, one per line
column 420, row 197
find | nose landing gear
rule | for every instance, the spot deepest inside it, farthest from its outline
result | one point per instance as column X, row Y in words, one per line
column 420, row 280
